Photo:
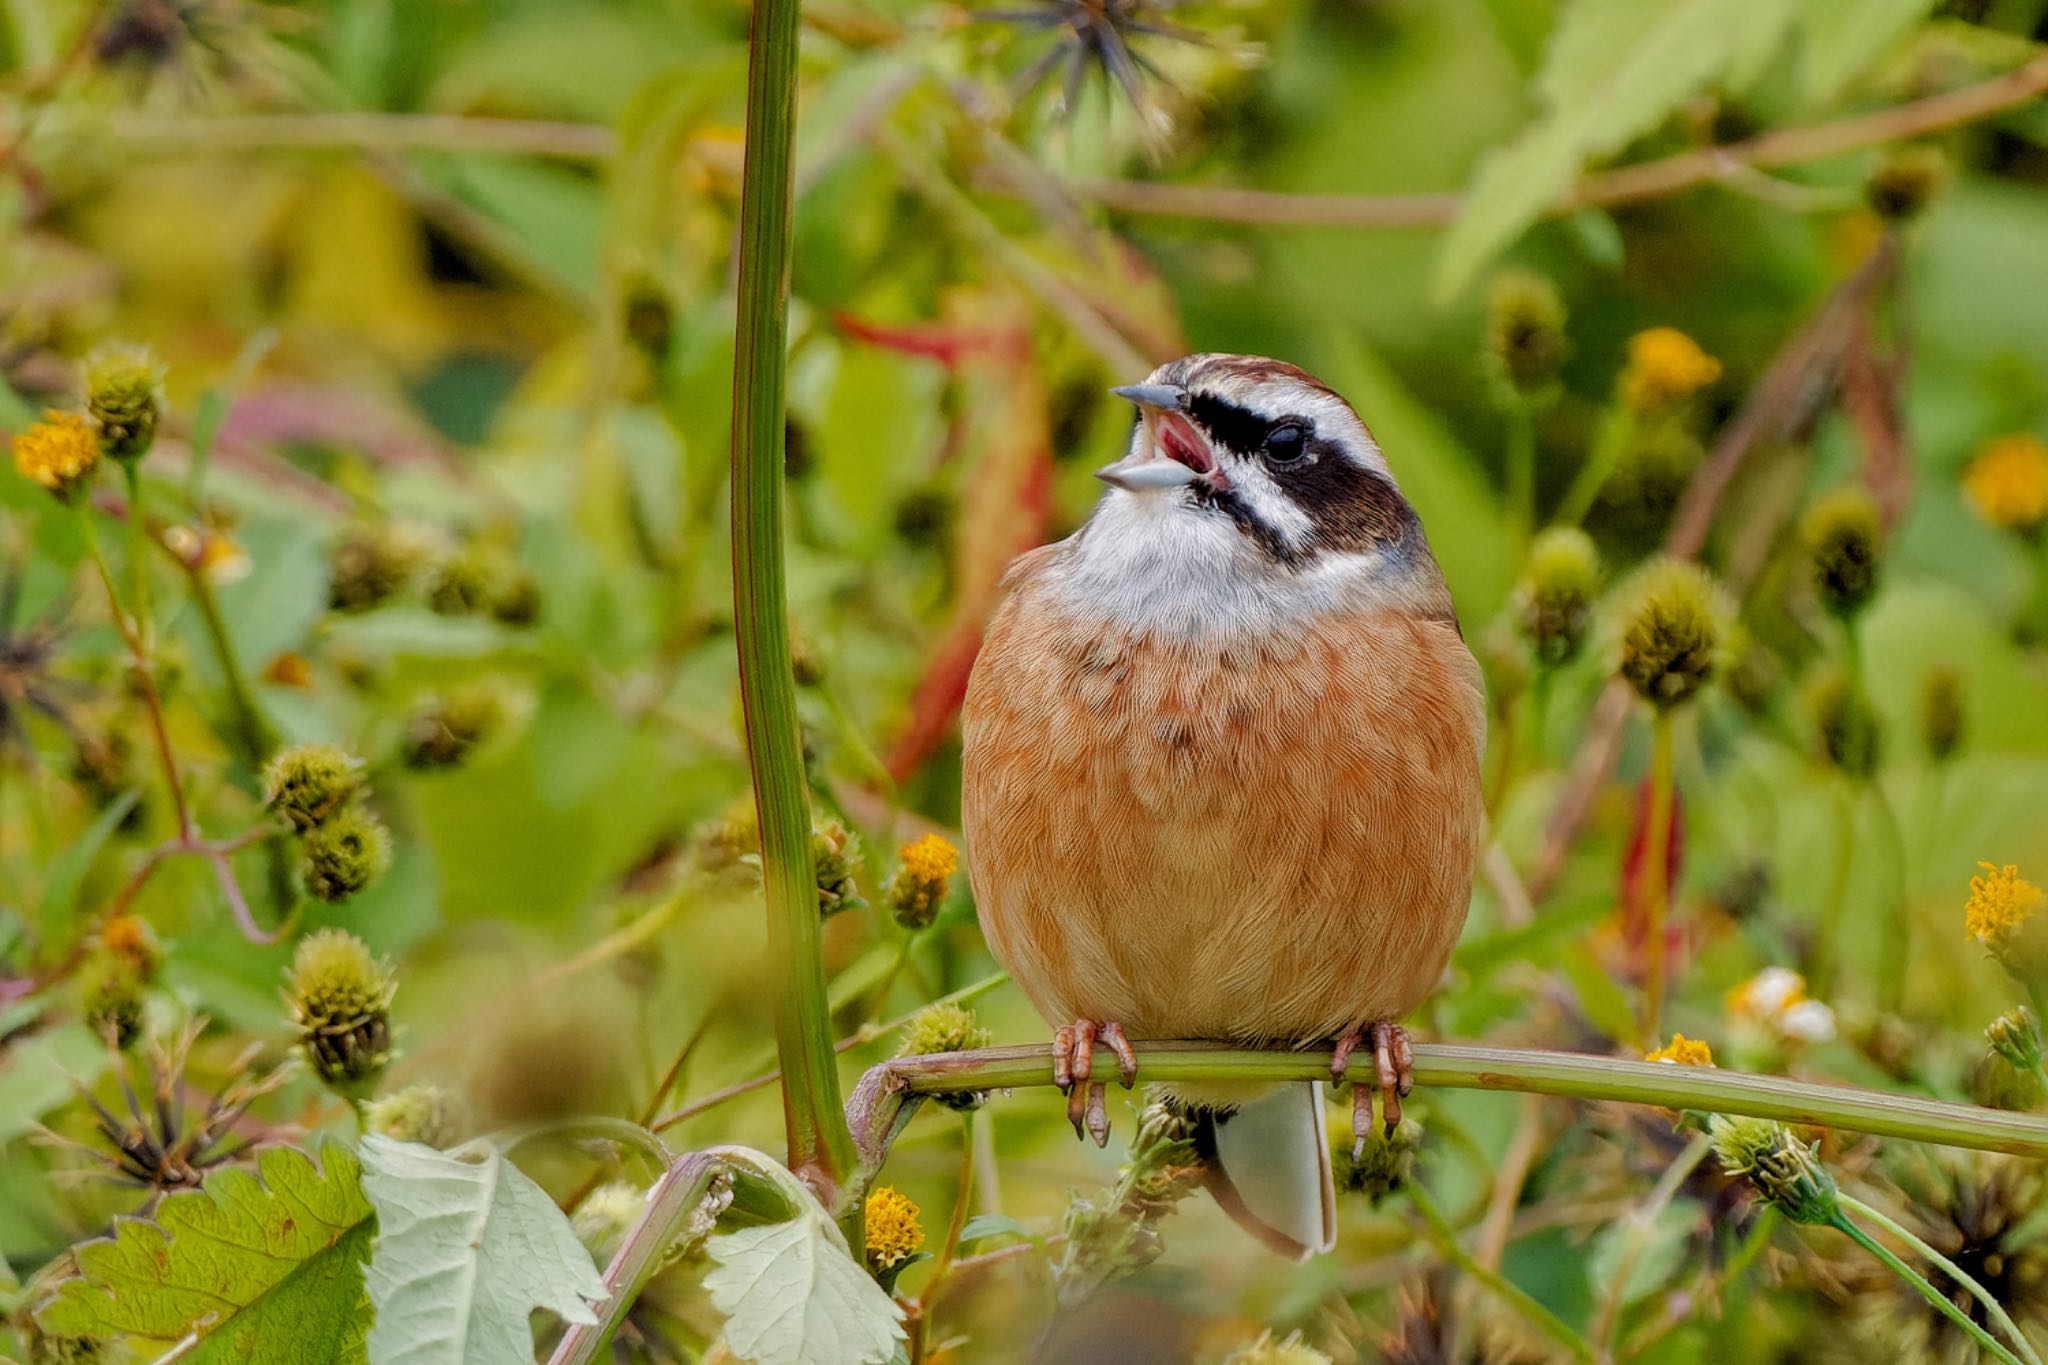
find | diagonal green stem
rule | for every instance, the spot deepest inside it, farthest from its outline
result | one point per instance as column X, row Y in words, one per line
column 672, row 1205
column 1948, row 1268
column 820, row 1149
column 1440, row 1233
column 1919, row 1284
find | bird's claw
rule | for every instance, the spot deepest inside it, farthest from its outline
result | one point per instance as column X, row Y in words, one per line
column 1393, row 1069
column 1073, row 1070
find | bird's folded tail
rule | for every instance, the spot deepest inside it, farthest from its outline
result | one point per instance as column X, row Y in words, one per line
column 1267, row 1162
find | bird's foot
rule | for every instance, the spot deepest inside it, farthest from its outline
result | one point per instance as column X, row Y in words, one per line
column 1394, row 1068
column 1073, row 1070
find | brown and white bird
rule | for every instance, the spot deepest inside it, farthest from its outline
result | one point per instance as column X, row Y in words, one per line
column 1222, row 768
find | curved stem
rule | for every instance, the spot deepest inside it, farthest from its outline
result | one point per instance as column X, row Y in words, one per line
column 1927, row 1291
column 1948, row 1268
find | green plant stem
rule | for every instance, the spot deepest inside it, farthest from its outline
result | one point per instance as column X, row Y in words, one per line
column 1639, row 1225
column 1440, row 1234
column 820, row 1149
column 1521, row 421
column 1895, row 944
column 949, row 1251
column 138, row 563
column 1948, row 1268
column 671, row 1206
column 1927, row 1291
column 1827, row 941
column 1599, row 467
column 880, row 1104
column 145, row 679
column 252, row 734
column 1657, row 876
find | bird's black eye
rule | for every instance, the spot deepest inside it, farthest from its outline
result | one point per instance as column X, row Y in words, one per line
column 1285, row 443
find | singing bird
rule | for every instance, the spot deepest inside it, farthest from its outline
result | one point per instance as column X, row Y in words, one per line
column 1221, row 778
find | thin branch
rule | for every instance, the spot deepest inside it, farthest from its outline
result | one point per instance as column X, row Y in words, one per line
column 1735, row 162
column 887, row 1094
column 365, row 131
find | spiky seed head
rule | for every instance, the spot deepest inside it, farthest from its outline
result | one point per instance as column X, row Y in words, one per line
column 124, row 395
column 1671, row 632
column 1555, row 599
column 110, row 996
column 444, row 730
column 1378, row 1164
column 371, row 563
column 1844, row 538
column 835, row 853
column 462, row 583
column 1846, row 732
column 1778, row 1166
column 946, row 1027
column 1941, row 712
column 60, row 454
column 340, row 1000
column 309, row 784
column 345, row 854
column 1905, row 182
column 1525, row 331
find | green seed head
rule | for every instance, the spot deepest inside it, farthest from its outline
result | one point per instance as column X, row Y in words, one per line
column 1780, row 1168
column 1845, row 729
column 1671, row 632
column 1905, row 182
column 340, row 999
column 311, row 783
column 835, row 850
column 425, row 1114
column 372, row 563
column 344, row 855
column 1525, row 336
column 1941, row 712
column 1845, row 548
column 1555, row 600
column 124, row 395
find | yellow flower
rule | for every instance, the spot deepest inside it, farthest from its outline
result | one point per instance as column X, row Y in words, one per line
column 1999, row 904
column 60, row 453
column 1682, row 1051
column 1664, row 366
column 2008, row 482
column 923, row 867
column 893, row 1232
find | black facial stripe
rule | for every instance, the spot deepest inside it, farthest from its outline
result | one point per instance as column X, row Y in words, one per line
column 1239, row 429
column 1231, row 505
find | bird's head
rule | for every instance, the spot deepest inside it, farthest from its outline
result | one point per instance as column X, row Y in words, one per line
column 1251, row 496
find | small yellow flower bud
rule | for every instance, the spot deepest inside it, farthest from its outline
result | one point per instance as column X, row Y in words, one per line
column 893, row 1232
column 2016, row 1037
column 924, row 866
column 345, row 854
column 1288, row 1350
column 340, row 1000
column 835, row 853
column 1845, row 546
column 1525, row 336
column 1671, row 632
column 1845, row 729
column 1941, row 712
column 372, row 563
column 310, row 783
column 1665, row 367
column 444, row 730
column 1555, row 599
column 59, row 453
column 1682, row 1051
column 124, row 394
column 425, row 1114
column 1905, row 182
column 2007, row 482
column 1780, row 1168
column 2004, row 914
column 946, row 1027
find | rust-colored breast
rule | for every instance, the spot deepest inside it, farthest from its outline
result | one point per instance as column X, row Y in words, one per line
column 1271, row 839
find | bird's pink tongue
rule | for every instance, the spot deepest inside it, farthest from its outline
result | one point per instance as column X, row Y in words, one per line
column 1179, row 442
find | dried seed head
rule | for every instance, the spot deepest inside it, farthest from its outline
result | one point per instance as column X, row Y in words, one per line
column 59, row 453
column 309, row 784
column 1779, row 1167
column 425, row 1114
column 835, row 854
column 345, row 854
column 444, row 730
column 1665, row 367
column 1555, row 599
column 340, row 999
column 124, row 394
column 924, row 867
column 372, row 563
column 1845, row 729
column 1671, row 632
column 1845, row 547
column 1525, row 336
column 1905, row 182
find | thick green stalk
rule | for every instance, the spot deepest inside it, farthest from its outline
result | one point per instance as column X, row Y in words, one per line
column 1919, row 1284
column 880, row 1105
column 820, row 1149
column 1949, row 1268
column 671, row 1206
column 1656, row 876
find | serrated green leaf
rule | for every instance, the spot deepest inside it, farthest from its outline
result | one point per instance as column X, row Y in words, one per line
column 1614, row 70
column 263, row 1267
column 465, row 1251
column 791, row 1292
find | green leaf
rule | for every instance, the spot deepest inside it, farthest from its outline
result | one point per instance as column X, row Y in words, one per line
column 260, row 1269
column 1843, row 37
column 791, row 1292
column 68, row 869
column 466, row 1250
column 38, row 1070
column 1614, row 70
column 984, row 1225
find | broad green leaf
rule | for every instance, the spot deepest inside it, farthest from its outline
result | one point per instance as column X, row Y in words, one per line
column 1614, row 70
column 791, row 1292
column 1843, row 37
column 38, row 1070
column 466, row 1250
column 267, row 1268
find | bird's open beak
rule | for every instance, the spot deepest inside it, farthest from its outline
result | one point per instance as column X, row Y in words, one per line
column 1171, row 451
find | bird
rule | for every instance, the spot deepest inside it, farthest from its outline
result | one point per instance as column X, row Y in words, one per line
column 1221, row 772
